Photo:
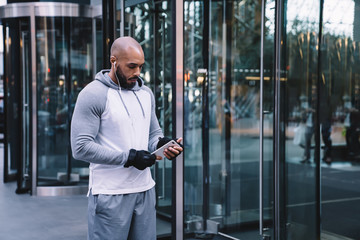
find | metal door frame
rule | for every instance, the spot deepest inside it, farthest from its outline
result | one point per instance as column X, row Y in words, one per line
column 177, row 8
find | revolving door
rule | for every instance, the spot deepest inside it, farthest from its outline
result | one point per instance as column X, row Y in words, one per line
column 48, row 59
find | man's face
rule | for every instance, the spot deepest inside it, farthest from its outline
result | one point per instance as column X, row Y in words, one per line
column 123, row 81
column 129, row 68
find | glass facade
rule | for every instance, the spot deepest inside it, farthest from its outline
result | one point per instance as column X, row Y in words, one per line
column 45, row 71
column 226, row 114
column 16, row 113
column 64, row 60
column 271, row 102
column 300, row 87
column 339, row 70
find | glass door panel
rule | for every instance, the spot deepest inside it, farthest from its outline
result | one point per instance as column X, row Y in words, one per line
column 52, row 55
column 64, row 68
column 81, row 73
column 266, row 198
column 234, row 121
column 60, row 65
column 340, row 58
column 12, row 98
column 298, row 113
column 234, row 114
column 17, row 102
column 149, row 23
column 222, row 172
column 195, row 75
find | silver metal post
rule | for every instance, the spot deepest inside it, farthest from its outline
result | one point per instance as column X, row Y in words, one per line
column 179, row 180
column 122, row 16
column 277, row 120
column 261, row 127
column 34, row 102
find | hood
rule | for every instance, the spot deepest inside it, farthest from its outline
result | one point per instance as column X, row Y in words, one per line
column 103, row 76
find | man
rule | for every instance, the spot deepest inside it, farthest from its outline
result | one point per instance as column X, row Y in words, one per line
column 325, row 113
column 114, row 127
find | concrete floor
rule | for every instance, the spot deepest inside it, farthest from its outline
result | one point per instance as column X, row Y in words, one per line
column 42, row 218
column 23, row 216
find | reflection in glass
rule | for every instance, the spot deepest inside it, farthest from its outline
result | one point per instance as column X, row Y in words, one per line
column 301, row 84
column 81, row 73
column 341, row 80
column 268, row 120
column 193, row 113
column 233, row 121
column 17, row 102
column 64, row 68
column 322, row 116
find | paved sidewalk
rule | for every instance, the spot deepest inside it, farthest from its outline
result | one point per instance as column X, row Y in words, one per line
column 42, row 218
column 26, row 217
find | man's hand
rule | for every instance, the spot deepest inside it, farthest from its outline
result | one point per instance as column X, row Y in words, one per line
column 140, row 159
column 171, row 152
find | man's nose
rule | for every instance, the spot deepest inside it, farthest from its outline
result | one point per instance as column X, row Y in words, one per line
column 137, row 72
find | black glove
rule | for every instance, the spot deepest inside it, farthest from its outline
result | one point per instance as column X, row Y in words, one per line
column 140, row 159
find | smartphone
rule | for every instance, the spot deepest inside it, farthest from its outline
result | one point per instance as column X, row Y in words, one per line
column 160, row 151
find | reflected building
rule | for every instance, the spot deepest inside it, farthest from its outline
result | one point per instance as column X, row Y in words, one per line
column 233, row 78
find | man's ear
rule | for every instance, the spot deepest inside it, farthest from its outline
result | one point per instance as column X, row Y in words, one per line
column 112, row 60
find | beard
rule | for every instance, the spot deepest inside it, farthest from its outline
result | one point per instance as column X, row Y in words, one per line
column 122, row 79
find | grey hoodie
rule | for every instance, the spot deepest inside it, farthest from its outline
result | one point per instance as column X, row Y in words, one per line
column 107, row 122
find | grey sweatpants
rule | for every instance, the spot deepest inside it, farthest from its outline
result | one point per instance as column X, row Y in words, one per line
column 120, row 217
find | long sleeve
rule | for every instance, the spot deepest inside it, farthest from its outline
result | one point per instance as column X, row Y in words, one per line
column 85, row 126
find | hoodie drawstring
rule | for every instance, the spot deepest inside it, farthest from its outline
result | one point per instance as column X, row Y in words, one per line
column 127, row 111
column 119, row 92
column 142, row 109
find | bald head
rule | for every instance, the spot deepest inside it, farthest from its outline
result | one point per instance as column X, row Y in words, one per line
column 123, row 45
column 127, row 60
